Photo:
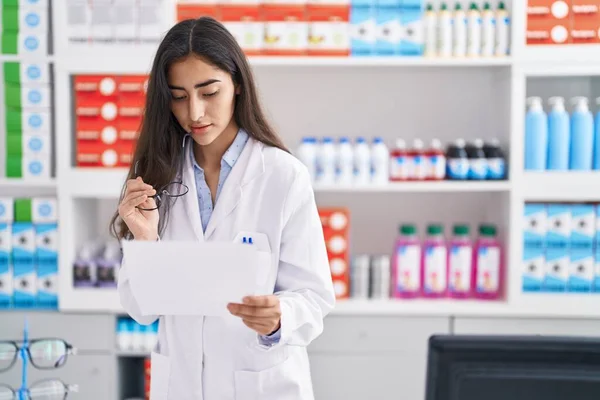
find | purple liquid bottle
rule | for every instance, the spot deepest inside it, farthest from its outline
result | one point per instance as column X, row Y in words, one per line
column 435, row 263
column 460, row 264
column 406, row 263
column 489, row 267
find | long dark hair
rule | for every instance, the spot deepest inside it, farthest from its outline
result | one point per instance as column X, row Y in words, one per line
column 159, row 151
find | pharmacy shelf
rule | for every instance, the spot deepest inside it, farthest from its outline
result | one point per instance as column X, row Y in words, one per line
column 561, row 186
column 107, row 184
column 562, row 69
column 93, row 300
column 563, row 305
column 560, row 55
column 7, row 183
column 132, row 354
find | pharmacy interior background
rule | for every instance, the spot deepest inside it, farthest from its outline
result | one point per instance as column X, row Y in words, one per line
column 453, row 147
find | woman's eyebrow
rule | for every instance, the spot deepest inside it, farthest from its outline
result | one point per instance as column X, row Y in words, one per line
column 197, row 85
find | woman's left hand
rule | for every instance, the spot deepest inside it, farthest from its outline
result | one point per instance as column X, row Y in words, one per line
column 260, row 313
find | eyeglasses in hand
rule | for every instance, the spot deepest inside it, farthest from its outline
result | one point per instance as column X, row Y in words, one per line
column 49, row 389
column 43, row 353
column 172, row 190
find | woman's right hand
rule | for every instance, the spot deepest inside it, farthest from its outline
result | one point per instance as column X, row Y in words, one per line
column 142, row 224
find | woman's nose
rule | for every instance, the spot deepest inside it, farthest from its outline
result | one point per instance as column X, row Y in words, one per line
column 197, row 109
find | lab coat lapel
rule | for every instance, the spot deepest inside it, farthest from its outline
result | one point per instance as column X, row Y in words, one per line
column 248, row 166
column 190, row 200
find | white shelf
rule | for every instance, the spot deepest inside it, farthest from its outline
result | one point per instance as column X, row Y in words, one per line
column 561, row 186
column 6, row 183
column 100, row 300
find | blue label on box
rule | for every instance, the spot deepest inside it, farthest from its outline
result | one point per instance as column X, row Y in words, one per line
column 6, row 284
column 24, row 284
column 534, row 265
column 558, row 232
column 412, row 42
column 583, row 226
column 23, row 244
column 557, row 270
column 534, row 225
column 46, row 242
column 363, row 30
column 5, row 241
column 411, row 4
column 389, row 31
column 47, row 284
column 581, row 274
column 596, row 284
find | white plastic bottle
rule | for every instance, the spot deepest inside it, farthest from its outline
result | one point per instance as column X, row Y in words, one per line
column 459, row 33
column 502, row 30
column 398, row 162
column 326, row 158
column 362, row 162
column 380, row 162
column 488, row 31
column 307, row 154
column 430, row 31
column 345, row 162
column 445, row 32
column 473, row 31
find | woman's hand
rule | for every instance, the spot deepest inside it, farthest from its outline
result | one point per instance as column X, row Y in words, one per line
column 142, row 224
column 260, row 313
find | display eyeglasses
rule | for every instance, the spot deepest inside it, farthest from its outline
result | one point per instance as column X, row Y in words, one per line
column 42, row 353
column 48, row 389
column 172, row 190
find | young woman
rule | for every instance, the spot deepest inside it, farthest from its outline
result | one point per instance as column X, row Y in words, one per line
column 208, row 167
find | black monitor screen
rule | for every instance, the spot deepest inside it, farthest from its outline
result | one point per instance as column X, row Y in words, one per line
column 513, row 368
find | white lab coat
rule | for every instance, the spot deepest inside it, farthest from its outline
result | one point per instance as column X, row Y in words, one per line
column 268, row 194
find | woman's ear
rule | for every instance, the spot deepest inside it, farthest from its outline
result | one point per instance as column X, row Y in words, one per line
column 238, row 88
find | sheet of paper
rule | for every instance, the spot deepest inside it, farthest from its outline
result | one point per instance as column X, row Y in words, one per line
column 193, row 278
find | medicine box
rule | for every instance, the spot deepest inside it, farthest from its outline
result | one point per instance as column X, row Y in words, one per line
column 46, row 242
column 548, row 23
column 558, row 225
column 535, row 225
column 21, row 96
column 27, row 121
column 24, row 18
column 30, row 167
column 585, row 21
column 24, row 44
column 412, row 38
column 557, row 270
column 26, row 74
column 23, row 241
column 363, row 31
column 389, row 31
column 44, row 210
column 597, row 235
column 6, row 283
column 596, row 285
column 581, row 274
column 6, row 209
column 246, row 25
column 328, row 30
column 533, row 269
column 47, row 284
column 24, row 284
column 583, row 225
column 30, row 145
column 5, row 241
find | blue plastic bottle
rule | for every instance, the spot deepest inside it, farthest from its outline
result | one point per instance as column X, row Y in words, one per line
column 559, row 135
column 597, row 138
column 536, row 135
column 582, row 135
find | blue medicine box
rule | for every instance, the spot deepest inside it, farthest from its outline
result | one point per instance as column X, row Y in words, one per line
column 24, row 284
column 363, row 31
column 46, row 242
column 23, row 243
column 535, row 225
column 583, row 226
column 6, row 284
column 581, row 274
column 558, row 233
column 534, row 266
column 47, row 284
column 558, row 265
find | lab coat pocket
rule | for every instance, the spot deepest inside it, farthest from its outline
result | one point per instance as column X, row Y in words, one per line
column 260, row 242
column 282, row 382
column 160, row 373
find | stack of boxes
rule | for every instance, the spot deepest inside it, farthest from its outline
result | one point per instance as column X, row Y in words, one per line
column 317, row 28
column 28, row 253
column 27, row 95
column 109, row 112
column 110, row 22
column 336, row 229
column 562, row 22
column 25, row 27
column 561, row 248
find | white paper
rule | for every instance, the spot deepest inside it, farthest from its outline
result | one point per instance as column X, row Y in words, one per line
column 194, row 278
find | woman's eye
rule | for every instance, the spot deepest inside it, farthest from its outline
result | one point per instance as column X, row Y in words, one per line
column 210, row 94
column 176, row 98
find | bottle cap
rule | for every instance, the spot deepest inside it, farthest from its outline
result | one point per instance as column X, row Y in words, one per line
column 443, row 7
column 344, row 139
column 487, row 230
column 458, row 6
column 436, row 144
column 327, row 139
column 460, row 142
column 478, row 143
column 486, row 6
column 473, row 6
column 378, row 140
column 360, row 139
column 580, row 103
column 408, row 229
column 429, row 7
column 435, row 229
column 501, row 6
column 535, row 103
column 418, row 144
column 400, row 144
column 460, row 230
column 495, row 142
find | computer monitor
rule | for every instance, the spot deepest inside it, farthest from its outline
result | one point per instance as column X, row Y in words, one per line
column 513, row 368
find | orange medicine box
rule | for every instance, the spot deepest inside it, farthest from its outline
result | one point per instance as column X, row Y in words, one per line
column 102, row 155
column 585, row 16
column 548, row 22
column 336, row 231
column 286, row 29
column 194, row 11
column 329, row 30
column 246, row 24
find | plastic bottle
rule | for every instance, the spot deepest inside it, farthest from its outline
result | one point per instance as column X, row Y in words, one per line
column 307, row 154
column 536, row 135
column 108, row 265
column 326, row 157
column 597, row 140
column 478, row 169
column 406, row 264
column 445, row 34
column 430, row 31
column 398, row 162
column 362, row 162
column 435, row 263
column 124, row 336
column 417, row 156
column 473, row 31
column 380, row 162
column 345, row 162
column 502, row 30
column 559, row 135
column 459, row 33
column 582, row 135
column 489, row 268
column 436, row 161
column 488, row 26
column 460, row 264
column 457, row 161
column 496, row 160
